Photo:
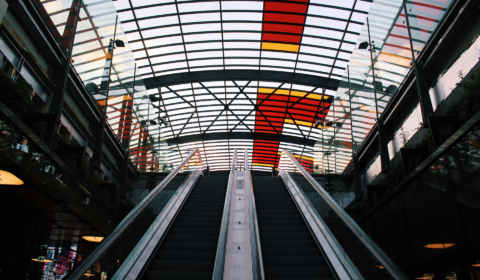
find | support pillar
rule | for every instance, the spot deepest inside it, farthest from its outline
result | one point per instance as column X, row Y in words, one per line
column 383, row 148
column 56, row 105
column 420, row 79
column 99, row 132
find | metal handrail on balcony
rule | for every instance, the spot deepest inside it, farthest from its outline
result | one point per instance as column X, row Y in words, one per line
column 371, row 246
column 126, row 222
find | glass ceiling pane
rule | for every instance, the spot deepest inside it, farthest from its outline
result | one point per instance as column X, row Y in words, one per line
column 316, row 38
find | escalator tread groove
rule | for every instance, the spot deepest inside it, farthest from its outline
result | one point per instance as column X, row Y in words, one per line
column 189, row 248
column 288, row 248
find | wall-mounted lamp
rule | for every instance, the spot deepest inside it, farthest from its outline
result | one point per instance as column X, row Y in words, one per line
column 93, row 238
column 439, row 245
column 7, row 178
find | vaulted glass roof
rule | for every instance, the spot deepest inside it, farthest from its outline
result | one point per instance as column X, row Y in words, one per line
column 298, row 36
column 201, row 74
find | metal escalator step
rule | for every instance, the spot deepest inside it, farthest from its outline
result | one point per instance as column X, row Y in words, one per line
column 189, row 248
column 314, row 272
column 177, row 275
column 204, row 266
column 288, row 248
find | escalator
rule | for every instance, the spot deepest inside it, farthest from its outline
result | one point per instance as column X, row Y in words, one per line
column 238, row 227
column 189, row 248
column 289, row 249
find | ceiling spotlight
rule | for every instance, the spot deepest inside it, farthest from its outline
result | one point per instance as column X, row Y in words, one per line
column 162, row 119
column 119, row 43
column 152, row 122
column 363, row 46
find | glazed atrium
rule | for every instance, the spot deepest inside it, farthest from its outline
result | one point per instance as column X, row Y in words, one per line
column 275, row 139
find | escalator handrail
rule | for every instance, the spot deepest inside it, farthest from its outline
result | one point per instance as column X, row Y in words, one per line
column 123, row 225
column 222, row 238
column 388, row 264
column 257, row 261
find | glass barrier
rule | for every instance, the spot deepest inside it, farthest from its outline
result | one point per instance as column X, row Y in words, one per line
column 343, row 234
column 47, row 210
column 435, row 216
column 120, row 250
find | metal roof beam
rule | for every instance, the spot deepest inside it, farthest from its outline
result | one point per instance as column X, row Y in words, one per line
column 241, row 136
column 216, row 75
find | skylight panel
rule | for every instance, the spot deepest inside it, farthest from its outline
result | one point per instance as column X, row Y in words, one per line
column 196, row 63
column 139, row 54
column 121, row 4
column 242, row 26
column 129, row 26
column 350, row 38
column 194, row 55
column 316, row 59
column 331, row 23
column 328, row 12
column 139, row 3
column 318, row 51
column 166, row 50
column 133, row 36
column 203, row 27
column 127, row 15
column 242, row 45
column 161, row 32
column 242, row 53
column 353, row 27
column 205, row 17
column 156, row 12
column 344, row 55
column 322, row 32
column 153, row 22
column 242, row 36
column 200, row 6
column 359, row 17
column 203, row 46
column 242, row 61
column 163, row 67
column 242, row 16
column 320, row 42
column 167, row 58
column 282, row 63
column 203, row 37
column 241, row 67
column 242, row 5
column 312, row 73
column 347, row 47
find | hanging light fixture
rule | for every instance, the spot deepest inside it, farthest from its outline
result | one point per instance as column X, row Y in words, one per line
column 7, row 178
column 93, row 238
column 439, row 245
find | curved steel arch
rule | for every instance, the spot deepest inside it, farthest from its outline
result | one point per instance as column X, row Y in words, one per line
column 262, row 75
